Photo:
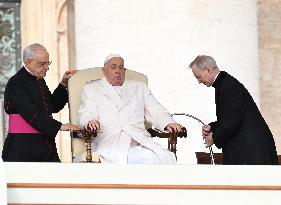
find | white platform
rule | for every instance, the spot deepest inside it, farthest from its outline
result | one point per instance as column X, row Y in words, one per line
column 66, row 183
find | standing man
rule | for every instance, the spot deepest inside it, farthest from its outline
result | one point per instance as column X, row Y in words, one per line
column 30, row 104
column 240, row 129
column 117, row 107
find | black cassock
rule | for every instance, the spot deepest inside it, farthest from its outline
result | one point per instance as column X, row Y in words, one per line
column 31, row 98
column 240, row 129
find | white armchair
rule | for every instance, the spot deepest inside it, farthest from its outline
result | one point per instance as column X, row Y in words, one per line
column 76, row 83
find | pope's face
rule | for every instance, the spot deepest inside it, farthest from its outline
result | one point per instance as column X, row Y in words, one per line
column 114, row 71
column 39, row 65
column 203, row 75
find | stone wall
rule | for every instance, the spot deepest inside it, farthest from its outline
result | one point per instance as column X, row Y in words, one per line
column 51, row 24
column 269, row 29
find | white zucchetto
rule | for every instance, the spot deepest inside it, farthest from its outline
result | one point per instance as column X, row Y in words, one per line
column 110, row 56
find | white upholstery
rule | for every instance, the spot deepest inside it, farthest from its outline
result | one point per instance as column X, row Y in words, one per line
column 75, row 84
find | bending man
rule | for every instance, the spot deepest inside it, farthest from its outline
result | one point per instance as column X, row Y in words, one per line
column 240, row 129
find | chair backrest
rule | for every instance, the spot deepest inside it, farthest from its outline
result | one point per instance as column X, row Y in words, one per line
column 75, row 85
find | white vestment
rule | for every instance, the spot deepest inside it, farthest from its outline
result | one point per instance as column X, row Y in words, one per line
column 122, row 119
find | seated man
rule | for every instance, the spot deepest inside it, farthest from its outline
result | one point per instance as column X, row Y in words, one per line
column 117, row 107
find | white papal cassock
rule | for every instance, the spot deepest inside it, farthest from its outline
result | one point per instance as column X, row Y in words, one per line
column 121, row 112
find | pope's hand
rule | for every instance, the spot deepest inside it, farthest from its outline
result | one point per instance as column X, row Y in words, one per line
column 93, row 125
column 174, row 127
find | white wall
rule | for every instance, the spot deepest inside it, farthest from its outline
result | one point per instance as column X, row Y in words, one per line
column 60, row 183
column 161, row 37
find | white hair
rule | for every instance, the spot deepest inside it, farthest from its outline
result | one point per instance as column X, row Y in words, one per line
column 202, row 61
column 30, row 51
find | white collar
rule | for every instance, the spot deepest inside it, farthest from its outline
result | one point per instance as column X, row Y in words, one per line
column 28, row 70
column 216, row 77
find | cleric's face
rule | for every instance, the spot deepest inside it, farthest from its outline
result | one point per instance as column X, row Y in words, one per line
column 39, row 65
column 203, row 75
column 114, row 71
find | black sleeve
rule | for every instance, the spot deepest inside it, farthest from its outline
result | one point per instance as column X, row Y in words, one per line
column 18, row 99
column 214, row 126
column 59, row 98
column 230, row 116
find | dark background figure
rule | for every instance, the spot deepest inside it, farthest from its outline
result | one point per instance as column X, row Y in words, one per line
column 30, row 104
column 240, row 129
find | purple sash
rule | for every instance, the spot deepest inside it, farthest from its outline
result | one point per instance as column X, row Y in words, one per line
column 18, row 125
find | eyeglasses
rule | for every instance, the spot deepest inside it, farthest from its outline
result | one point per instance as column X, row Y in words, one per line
column 42, row 64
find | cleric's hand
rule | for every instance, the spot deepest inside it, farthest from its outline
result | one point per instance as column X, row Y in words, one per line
column 208, row 139
column 206, row 129
column 69, row 126
column 66, row 76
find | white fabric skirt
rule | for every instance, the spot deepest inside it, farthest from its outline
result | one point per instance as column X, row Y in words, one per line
column 142, row 155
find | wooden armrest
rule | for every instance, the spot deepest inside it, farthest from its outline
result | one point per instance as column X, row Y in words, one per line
column 88, row 137
column 160, row 134
column 172, row 137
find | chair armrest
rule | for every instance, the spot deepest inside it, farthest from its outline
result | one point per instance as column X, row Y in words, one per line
column 172, row 137
column 88, row 138
column 160, row 134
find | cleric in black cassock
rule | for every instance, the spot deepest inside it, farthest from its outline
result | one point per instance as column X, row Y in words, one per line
column 30, row 104
column 240, row 129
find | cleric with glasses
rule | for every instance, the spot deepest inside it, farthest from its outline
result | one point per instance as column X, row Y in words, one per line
column 30, row 104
